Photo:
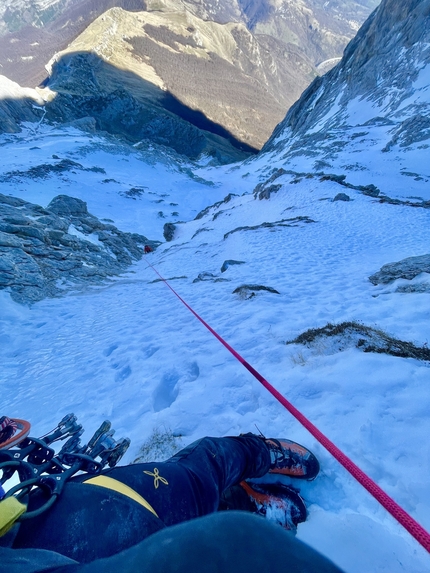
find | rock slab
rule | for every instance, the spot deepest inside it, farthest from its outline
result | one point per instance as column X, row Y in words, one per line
column 48, row 252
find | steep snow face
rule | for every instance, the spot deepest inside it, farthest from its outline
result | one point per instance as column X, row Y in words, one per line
column 127, row 350
column 379, row 94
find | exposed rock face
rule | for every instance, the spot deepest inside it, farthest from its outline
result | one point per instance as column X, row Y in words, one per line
column 135, row 115
column 381, row 81
column 46, row 252
column 229, row 263
column 205, row 276
column 291, row 222
column 405, row 269
column 249, row 291
column 264, row 189
column 342, row 197
column 169, row 231
column 18, row 104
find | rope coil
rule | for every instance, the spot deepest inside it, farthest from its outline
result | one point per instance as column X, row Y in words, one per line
column 408, row 522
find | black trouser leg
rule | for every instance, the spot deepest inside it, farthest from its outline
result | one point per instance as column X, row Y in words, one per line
column 190, row 483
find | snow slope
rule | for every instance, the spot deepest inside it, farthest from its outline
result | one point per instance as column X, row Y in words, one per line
column 129, row 351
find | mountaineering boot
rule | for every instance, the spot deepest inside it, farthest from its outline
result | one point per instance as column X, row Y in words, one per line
column 291, row 459
column 276, row 502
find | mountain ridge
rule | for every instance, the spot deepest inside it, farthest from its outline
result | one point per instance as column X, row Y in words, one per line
column 174, row 50
column 377, row 95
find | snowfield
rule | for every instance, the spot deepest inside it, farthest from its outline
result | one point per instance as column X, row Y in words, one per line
column 129, row 351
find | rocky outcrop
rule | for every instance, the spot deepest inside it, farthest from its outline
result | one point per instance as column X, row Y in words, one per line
column 342, row 197
column 135, row 117
column 48, row 252
column 206, row 276
column 169, row 231
column 215, row 206
column 45, row 170
column 18, row 104
column 291, row 222
column 264, row 189
column 247, row 292
column 229, row 263
column 405, row 269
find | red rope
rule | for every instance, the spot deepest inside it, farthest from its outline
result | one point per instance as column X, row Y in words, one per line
column 414, row 528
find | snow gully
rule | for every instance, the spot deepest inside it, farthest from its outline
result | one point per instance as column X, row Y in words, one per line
column 408, row 522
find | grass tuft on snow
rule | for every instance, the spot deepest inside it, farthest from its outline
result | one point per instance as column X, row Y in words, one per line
column 161, row 445
column 364, row 337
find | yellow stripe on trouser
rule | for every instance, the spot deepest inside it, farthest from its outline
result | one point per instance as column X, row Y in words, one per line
column 10, row 511
column 115, row 485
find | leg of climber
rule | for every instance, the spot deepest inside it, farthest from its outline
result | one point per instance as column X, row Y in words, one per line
column 190, row 484
column 99, row 516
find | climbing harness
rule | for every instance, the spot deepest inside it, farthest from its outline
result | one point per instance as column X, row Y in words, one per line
column 38, row 466
column 406, row 520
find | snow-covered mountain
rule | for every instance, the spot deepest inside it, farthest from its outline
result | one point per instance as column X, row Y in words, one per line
column 311, row 260
column 376, row 98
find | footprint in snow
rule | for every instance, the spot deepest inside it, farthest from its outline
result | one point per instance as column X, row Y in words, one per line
column 123, row 374
column 166, row 392
column 108, row 351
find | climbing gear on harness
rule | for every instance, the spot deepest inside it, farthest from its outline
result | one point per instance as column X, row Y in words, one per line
column 115, row 485
column 38, row 466
column 101, row 445
column 8, row 432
